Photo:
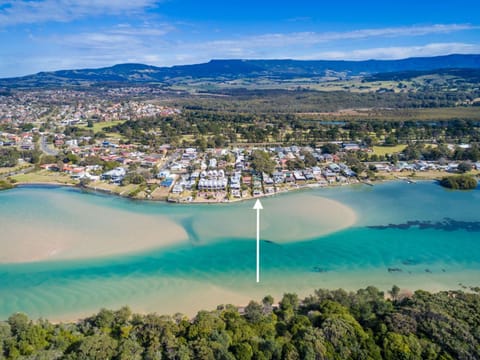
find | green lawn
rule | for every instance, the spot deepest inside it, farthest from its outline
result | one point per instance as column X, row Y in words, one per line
column 382, row 150
column 44, row 176
column 100, row 126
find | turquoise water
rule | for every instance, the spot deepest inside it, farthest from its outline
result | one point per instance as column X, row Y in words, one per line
column 208, row 269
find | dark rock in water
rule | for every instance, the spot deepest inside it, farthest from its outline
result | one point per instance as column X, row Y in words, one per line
column 447, row 224
column 409, row 262
column 443, row 270
column 270, row 242
column 319, row 269
column 394, row 270
column 428, row 271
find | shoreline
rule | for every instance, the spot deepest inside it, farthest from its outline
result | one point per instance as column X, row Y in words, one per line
column 137, row 192
column 292, row 189
column 242, row 300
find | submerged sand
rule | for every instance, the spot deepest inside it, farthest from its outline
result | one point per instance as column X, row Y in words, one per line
column 39, row 241
column 75, row 227
column 290, row 218
column 70, row 229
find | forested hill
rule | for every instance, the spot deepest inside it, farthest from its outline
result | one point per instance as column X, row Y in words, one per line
column 236, row 69
column 326, row 325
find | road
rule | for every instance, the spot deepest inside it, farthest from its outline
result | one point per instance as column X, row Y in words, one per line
column 17, row 172
column 45, row 148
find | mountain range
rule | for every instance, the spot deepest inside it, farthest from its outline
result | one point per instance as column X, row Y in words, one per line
column 221, row 70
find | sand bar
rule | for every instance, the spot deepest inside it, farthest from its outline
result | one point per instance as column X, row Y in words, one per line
column 70, row 229
column 285, row 218
column 63, row 226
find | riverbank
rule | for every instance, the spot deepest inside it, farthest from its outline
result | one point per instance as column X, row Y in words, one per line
column 154, row 192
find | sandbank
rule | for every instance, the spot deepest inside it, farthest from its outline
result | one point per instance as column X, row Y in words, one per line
column 81, row 230
column 285, row 218
column 64, row 227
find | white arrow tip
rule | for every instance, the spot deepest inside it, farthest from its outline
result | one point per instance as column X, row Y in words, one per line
column 258, row 205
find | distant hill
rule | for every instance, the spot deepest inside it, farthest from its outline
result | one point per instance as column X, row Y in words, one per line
column 220, row 70
column 473, row 75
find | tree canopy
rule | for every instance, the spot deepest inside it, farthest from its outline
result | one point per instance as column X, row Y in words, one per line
column 459, row 182
column 326, row 325
column 262, row 162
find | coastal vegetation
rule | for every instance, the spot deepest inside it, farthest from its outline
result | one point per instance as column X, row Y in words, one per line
column 4, row 184
column 330, row 324
column 459, row 182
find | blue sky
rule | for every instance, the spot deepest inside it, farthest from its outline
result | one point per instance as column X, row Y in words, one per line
column 44, row 35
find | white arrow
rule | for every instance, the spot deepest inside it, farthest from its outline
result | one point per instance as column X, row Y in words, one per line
column 258, row 206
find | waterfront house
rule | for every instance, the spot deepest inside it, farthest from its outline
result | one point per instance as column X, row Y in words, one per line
column 247, row 180
column 116, row 175
column 278, row 177
column 163, row 174
column 298, row 175
column 334, row 168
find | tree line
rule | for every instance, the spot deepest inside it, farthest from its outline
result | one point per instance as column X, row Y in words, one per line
column 216, row 129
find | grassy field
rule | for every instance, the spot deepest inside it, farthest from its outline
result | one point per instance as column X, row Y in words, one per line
column 115, row 189
column 383, row 150
column 44, row 176
column 100, row 126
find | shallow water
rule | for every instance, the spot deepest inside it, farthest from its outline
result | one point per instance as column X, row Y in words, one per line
column 202, row 265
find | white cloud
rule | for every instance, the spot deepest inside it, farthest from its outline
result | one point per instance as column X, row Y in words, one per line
column 397, row 52
column 314, row 38
column 310, row 44
column 124, row 38
column 39, row 11
column 165, row 45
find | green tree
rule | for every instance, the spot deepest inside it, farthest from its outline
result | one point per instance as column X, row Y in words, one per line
column 330, row 148
column 98, row 346
column 253, row 312
column 9, row 157
column 129, row 349
column 262, row 162
column 459, row 182
column 394, row 292
column 401, row 347
column 464, row 167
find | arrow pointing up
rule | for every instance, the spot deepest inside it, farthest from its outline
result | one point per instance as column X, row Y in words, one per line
column 258, row 206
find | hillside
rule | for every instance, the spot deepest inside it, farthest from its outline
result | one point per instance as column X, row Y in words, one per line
column 221, row 70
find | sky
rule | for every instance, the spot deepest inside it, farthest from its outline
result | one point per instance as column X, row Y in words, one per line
column 48, row 35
